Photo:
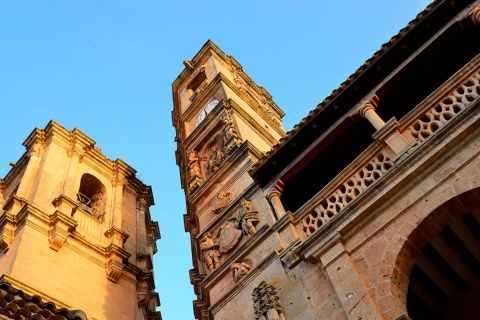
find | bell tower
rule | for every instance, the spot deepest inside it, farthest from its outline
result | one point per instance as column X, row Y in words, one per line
column 224, row 124
column 76, row 230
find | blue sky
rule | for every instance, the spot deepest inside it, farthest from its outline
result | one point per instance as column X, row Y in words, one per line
column 106, row 67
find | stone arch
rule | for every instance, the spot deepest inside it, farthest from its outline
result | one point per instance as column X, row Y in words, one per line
column 91, row 196
column 420, row 225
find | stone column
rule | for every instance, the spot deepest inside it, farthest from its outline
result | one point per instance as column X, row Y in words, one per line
column 30, row 171
column 368, row 112
column 274, row 198
column 69, row 183
column 387, row 133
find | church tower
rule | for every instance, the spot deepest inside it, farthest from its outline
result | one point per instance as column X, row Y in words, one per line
column 75, row 230
column 224, row 123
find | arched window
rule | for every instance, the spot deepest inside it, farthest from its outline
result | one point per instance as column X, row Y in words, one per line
column 91, row 196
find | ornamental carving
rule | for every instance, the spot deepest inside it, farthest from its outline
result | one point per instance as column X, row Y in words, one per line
column 266, row 303
column 194, row 169
column 224, row 198
column 247, row 217
column 266, row 106
column 230, row 134
column 229, row 235
column 240, row 269
column 211, row 256
column 450, row 106
column 215, row 159
column 349, row 190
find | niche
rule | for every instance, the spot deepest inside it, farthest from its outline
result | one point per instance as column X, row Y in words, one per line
column 91, row 196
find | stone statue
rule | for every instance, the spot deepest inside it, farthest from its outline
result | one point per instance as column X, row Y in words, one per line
column 98, row 204
column 229, row 129
column 215, row 159
column 193, row 165
column 210, row 251
column 246, row 217
column 239, row 270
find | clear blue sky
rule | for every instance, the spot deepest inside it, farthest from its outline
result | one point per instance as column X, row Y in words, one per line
column 106, row 67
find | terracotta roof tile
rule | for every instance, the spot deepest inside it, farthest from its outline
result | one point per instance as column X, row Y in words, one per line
column 15, row 304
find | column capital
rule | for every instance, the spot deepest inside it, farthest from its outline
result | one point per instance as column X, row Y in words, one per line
column 277, row 190
column 370, row 105
column 37, row 149
column 75, row 150
column 475, row 15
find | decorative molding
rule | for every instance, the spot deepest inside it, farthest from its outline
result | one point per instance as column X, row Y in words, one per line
column 61, row 228
column 115, row 262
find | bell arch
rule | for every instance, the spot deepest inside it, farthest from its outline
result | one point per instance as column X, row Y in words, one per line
column 91, row 196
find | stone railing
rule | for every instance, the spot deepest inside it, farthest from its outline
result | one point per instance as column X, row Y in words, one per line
column 422, row 122
column 89, row 225
column 446, row 109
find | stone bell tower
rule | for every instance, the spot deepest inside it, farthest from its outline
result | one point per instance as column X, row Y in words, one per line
column 224, row 123
column 76, row 230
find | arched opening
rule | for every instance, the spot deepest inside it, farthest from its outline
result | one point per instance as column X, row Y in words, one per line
column 445, row 281
column 91, row 196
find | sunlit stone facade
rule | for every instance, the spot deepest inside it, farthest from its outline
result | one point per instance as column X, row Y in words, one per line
column 367, row 209
column 76, row 230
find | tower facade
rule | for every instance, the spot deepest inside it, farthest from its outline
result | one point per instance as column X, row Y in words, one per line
column 368, row 209
column 76, row 229
column 224, row 123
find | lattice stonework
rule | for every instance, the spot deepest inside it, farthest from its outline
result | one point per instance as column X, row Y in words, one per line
column 349, row 190
column 454, row 103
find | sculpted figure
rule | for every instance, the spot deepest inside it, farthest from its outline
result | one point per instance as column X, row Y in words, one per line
column 246, row 217
column 239, row 270
column 210, row 251
column 193, row 164
column 223, row 200
column 98, row 204
column 216, row 159
column 228, row 126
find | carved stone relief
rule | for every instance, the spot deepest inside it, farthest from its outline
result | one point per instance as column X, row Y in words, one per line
column 266, row 303
column 224, row 198
column 195, row 174
column 229, row 235
column 231, row 232
column 215, row 158
column 247, row 217
column 265, row 106
column 240, row 269
column 230, row 134
column 209, row 246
